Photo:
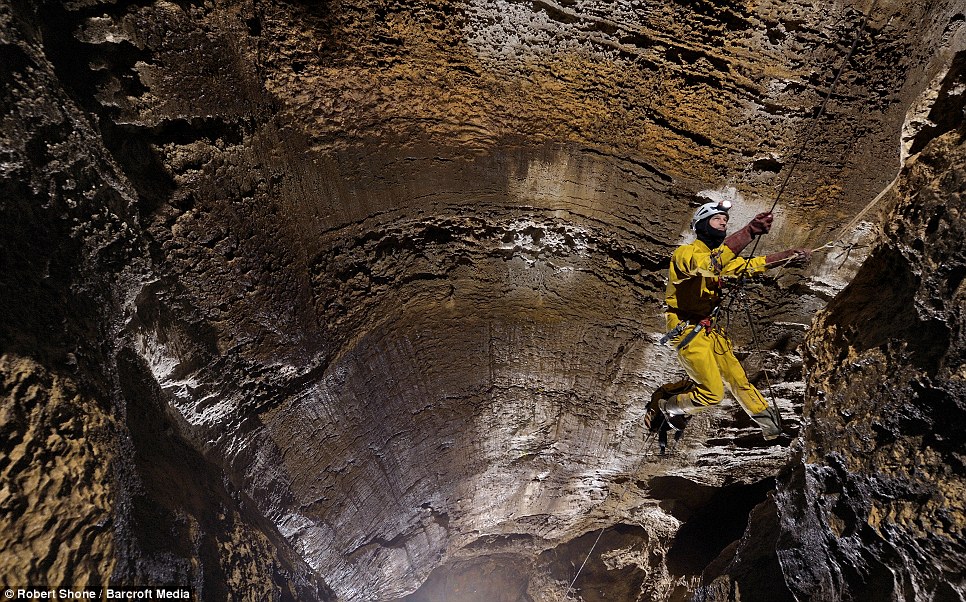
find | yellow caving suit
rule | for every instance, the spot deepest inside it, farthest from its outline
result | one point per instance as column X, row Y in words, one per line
column 693, row 291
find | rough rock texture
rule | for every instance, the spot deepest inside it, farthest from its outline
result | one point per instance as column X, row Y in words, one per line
column 58, row 453
column 882, row 483
column 98, row 487
column 360, row 301
column 871, row 508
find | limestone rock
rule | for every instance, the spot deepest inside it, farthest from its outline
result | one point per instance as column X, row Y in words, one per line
column 360, row 301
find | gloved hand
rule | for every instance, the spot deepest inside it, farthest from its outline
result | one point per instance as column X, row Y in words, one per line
column 761, row 224
column 789, row 257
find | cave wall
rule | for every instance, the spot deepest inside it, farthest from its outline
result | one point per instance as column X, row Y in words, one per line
column 881, row 483
column 870, row 508
column 98, row 486
column 376, row 286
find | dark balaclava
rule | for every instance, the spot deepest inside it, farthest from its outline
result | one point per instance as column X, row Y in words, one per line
column 708, row 235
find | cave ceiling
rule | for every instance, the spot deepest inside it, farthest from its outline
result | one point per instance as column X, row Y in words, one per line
column 397, row 268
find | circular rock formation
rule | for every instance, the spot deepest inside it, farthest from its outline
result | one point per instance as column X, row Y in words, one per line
column 360, row 301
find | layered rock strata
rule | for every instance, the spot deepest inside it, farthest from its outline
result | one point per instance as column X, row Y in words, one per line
column 355, row 301
column 871, row 505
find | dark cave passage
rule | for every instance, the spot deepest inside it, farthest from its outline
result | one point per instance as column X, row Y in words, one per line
column 712, row 519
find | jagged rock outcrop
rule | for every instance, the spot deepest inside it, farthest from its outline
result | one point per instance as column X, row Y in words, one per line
column 881, row 485
column 870, row 508
column 360, row 301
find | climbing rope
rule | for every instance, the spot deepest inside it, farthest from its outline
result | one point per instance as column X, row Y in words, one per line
column 808, row 138
column 822, row 107
column 658, row 85
column 566, row 595
column 764, row 371
column 737, row 290
column 620, row 500
column 809, row 132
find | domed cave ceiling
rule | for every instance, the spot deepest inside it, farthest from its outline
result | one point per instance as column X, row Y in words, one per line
column 356, row 301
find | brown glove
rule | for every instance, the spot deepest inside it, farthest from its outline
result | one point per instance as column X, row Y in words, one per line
column 789, row 257
column 761, row 224
column 756, row 227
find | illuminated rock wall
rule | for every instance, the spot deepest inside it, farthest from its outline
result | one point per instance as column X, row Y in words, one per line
column 358, row 301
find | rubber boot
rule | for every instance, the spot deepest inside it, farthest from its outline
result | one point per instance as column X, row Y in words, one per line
column 770, row 423
column 677, row 411
column 653, row 419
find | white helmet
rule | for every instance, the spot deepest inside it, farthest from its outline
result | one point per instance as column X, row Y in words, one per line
column 708, row 209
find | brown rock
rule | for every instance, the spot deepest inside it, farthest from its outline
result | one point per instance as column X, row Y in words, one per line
column 359, row 301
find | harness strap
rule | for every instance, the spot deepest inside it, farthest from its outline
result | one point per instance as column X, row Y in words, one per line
column 694, row 332
column 706, row 323
column 675, row 331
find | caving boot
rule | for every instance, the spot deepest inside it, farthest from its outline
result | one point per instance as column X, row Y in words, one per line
column 653, row 416
column 770, row 422
column 677, row 411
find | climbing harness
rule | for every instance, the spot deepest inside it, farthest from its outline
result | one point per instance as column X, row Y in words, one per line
column 690, row 336
column 705, row 324
column 675, row 332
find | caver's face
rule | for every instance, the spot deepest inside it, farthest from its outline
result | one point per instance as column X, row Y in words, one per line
column 719, row 222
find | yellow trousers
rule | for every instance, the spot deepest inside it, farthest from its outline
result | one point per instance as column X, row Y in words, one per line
column 709, row 359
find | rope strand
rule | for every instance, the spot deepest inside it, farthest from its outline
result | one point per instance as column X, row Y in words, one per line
column 589, row 554
column 821, row 110
column 570, row 587
column 742, row 273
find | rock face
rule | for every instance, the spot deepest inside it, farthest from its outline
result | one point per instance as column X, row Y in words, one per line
column 357, row 301
column 871, row 505
column 882, row 482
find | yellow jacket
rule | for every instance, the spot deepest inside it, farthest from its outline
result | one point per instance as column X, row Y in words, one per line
column 694, row 279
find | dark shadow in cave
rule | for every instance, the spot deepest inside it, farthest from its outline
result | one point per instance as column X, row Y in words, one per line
column 181, row 508
column 711, row 522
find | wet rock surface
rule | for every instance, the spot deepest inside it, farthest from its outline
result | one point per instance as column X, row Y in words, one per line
column 358, row 301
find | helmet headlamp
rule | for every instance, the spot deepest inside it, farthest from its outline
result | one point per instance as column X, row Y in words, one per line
column 710, row 209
